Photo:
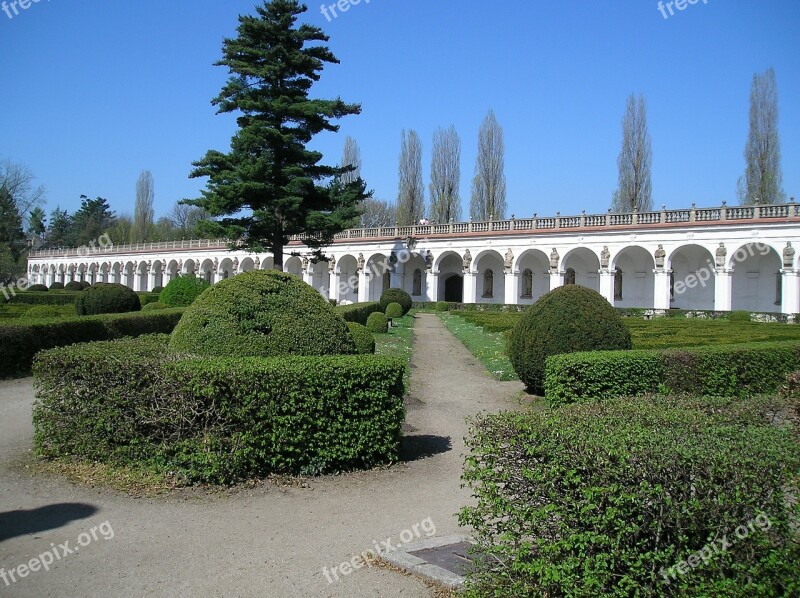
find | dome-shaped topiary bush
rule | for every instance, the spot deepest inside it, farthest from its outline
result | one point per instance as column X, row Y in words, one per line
column 157, row 289
column 38, row 288
column 365, row 342
column 85, row 285
column 57, row 286
column 107, row 298
column 259, row 314
column 182, row 290
column 394, row 310
column 74, row 286
column 395, row 296
column 378, row 323
column 442, row 306
column 568, row 319
column 154, row 306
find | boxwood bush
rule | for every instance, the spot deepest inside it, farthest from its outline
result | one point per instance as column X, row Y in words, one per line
column 21, row 339
column 217, row 420
column 568, row 319
column 358, row 312
column 49, row 298
column 722, row 370
column 37, row 288
column 107, row 298
column 182, row 290
column 73, row 286
column 57, row 286
column 396, row 296
column 394, row 310
column 259, row 314
column 618, row 499
column 442, row 306
column 365, row 342
column 378, row 323
column 155, row 305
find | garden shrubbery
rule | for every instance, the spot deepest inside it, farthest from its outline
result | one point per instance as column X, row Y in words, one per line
column 107, row 298
column 182, row 290
column 365, row 342
column 610, row 499
column 155, row 305
column 378, row 323
column 73, row 286
column 259, row 314
column 48, row 311
column 37, row 288
column 358, row 312
column 568, row 319
column 396, row 296
column 442, row 306
column 217, row 420
column 57, row 286
column 394, row 310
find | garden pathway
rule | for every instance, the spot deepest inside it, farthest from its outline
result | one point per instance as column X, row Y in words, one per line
column 262, row 540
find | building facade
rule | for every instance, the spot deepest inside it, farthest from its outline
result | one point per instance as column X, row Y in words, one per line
column 721, row 259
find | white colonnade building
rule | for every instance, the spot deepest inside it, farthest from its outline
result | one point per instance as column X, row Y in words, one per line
column 720, row 259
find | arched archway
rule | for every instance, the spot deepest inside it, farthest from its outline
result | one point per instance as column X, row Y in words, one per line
column 450, row 266
column 586, row 266
column 489, row 268
column 757, row 281
column 347, row 266
column 534, row 268
column 454, row 288
column 693, row 281
column 634, row 278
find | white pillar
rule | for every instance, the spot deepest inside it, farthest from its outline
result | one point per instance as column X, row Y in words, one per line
column 470, row 287
column 661, row 293
column 512, row 288
column 396, row 278
column 556, row 279
column 334, row 281
column 790, row 292
column 432, row 286
column 607, row 285
column 363, row 286
column 723, row 285
column 308, row 277
column 153, row 277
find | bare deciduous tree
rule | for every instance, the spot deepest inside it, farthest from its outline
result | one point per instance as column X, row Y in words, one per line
column 377, row 212
column 489, row 184
column 185, row 217
column 763, row 179
column 635, row 162
column 351, row 157
column 143, row 210
column 18, row 181
column 411, row 189
column 445, row 176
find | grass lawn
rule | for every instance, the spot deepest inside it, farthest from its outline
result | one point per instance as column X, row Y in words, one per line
column 397, row 342
column 488, row 347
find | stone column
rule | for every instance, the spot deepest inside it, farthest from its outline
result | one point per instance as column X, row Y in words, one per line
column 723, row 285
column 790, row 292
column 432, row 286
column 512, row 288
column 335, row 279
column 607, row 284
column 363, row 286
column 661, row 293
column 556, row 279
column 470, row 287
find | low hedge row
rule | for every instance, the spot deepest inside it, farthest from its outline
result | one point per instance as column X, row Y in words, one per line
column 130, row 402
column 358, row 312
column 62, row 298
column 21, row 340
column 721, row 370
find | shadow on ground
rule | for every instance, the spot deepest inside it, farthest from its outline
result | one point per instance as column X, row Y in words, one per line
column 23, row 522
column 421, row 446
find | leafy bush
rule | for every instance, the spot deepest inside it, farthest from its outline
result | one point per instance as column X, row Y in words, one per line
column 146, row 298
column 740, row 316
column 365, row 342
column 609, row 499
column 378, row 323
column 107, row 298
column 85, row 285
column 48, row 311
column 396, row 296
column 156, row 305
column 217, row 420
column 182, row 290
column 21, row 340
column 50, row 298
column 73, row 286
column 358, row 312
column 157, row 289
column 568, row 319
column 57, row 286
column 442, row 306
column 259, row 314
column 37, row 288
column 394, row 310
column 720, row 370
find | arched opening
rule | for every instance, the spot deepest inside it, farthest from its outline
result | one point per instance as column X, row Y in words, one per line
column 581, row 267
column 348, row 279
column 757, row 279
column 416, row 287
column 693, row 281
column 489, row 267
column 454, row 288
column 534, row 266
column 634, row 281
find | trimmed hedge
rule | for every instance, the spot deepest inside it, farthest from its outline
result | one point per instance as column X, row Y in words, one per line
column 57, row 286
column 394, row 310
column 441, row 306
column 52, row 297
column 396, row 296
column 365, row 342
column 37, row 288
column 259, row 314
column 719, row 370
column 182, row 290
column 358, row 312
column 378, row 323
column 107, row 298
column 21, row 340
column 73, row 286
column 619, row 498
column 146, row 298
column 37, row 312
column 217, row 420
column 155, row 305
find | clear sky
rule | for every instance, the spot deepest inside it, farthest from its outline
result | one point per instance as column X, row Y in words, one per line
column 94, row 92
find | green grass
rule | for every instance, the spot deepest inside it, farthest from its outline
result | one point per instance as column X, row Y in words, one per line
column 397, row 342
column 487, row 347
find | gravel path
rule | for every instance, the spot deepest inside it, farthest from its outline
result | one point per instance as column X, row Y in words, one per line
column 261, row 541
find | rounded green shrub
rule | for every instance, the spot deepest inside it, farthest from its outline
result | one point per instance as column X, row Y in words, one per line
column 442, row 306
column 394, row 310
column 155, row 305
column 38, row 288
column 57, row 286
column 365, row 342
column 157, row 289
column 107, row 298
column 85, row 285
column 260, row 314
column 395, row 296
column 181, row 291
column 566, row 320
column 378, row 323
column 739, row 316
column 74, row 286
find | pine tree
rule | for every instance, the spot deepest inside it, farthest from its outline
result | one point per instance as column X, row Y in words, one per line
column 269, row 186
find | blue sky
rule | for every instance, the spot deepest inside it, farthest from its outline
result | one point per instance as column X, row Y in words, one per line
column 96, row 91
